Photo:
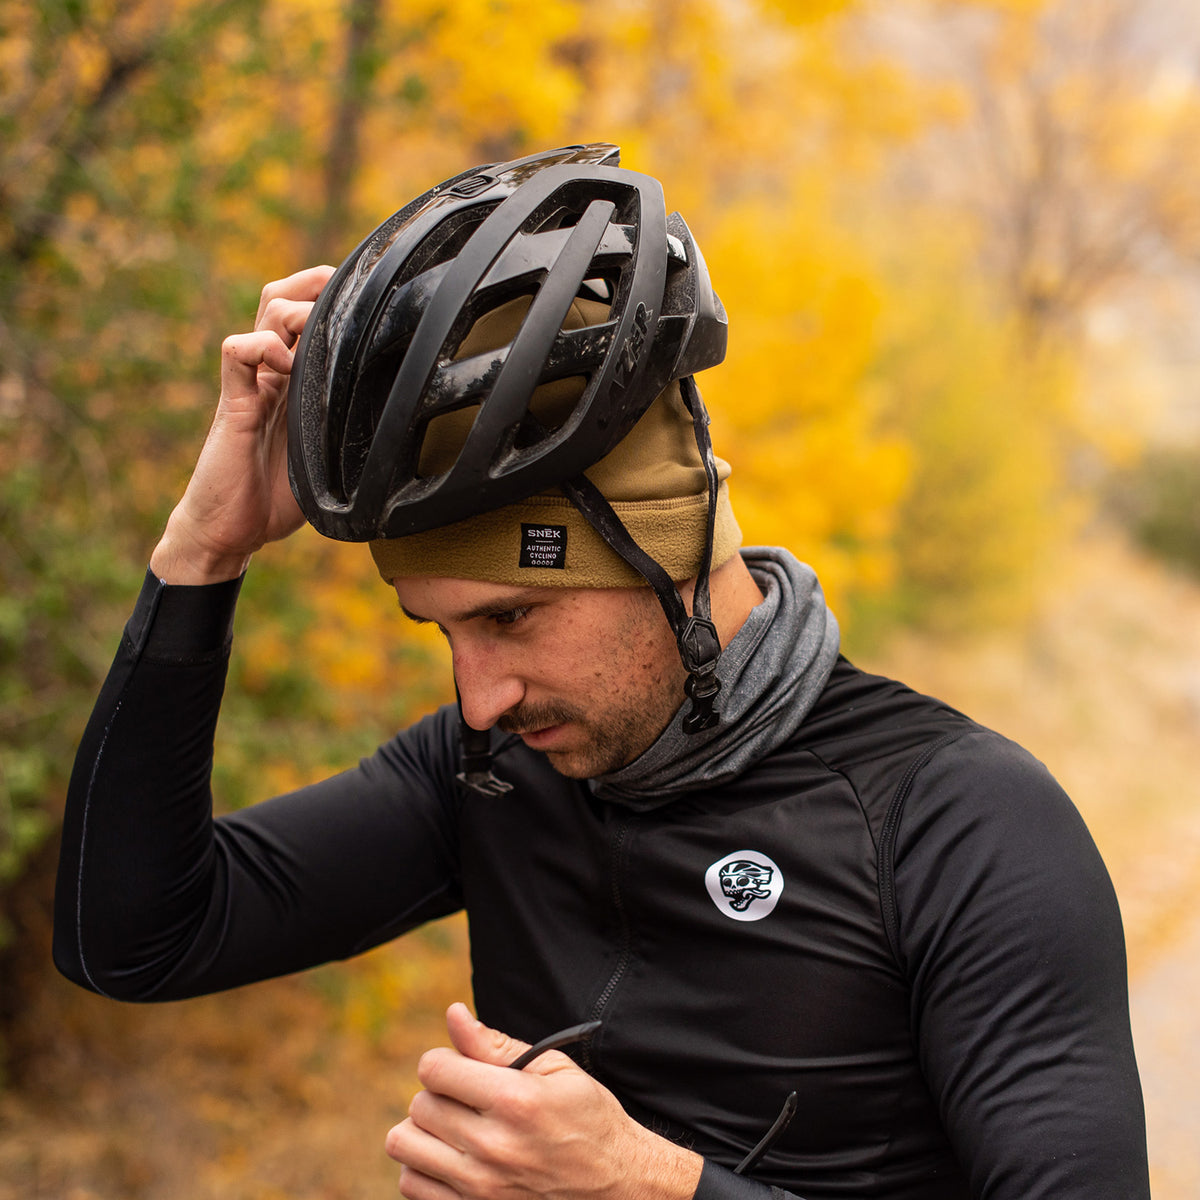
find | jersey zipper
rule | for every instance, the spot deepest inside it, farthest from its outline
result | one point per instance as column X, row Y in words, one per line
column 625, row 941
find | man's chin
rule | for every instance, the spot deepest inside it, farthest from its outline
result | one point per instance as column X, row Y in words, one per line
column 585, row 763
column 566, row 766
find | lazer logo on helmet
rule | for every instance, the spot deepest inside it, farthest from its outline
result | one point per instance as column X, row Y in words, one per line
column 632, row 348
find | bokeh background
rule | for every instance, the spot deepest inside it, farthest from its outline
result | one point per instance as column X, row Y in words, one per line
column 959, row 241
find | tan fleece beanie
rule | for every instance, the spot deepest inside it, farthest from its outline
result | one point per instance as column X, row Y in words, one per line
column 654, row 479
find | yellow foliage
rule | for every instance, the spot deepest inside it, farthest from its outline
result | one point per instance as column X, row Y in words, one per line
column 886, row 415
column 803, row 11
column 848, row 401
column 1021, row 9
column 493, row 64
column 793, row 408
column 988, row 428
column 720, row 100
column 261, row 648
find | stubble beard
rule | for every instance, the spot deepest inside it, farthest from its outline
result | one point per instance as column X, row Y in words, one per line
column 613, row 731
column 604, row 744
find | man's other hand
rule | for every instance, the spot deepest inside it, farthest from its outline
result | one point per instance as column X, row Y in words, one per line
column 482, row 1131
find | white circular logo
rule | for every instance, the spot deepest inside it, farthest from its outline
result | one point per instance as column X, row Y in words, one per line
column 744, row 885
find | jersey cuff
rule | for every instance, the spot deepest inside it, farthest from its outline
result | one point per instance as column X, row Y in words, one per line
column 183, row 623
column 720, row 1183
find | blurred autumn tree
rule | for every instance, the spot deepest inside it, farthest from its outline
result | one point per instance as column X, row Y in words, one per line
column 160, row 162
column 901, row 390
column 102, row 327
column 1050, row 200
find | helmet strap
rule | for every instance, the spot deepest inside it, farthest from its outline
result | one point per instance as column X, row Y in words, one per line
column 695, row 635
column 476, row 758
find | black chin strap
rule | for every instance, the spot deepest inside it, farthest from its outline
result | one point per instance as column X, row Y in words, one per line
column 695, row 635
column 476, row 758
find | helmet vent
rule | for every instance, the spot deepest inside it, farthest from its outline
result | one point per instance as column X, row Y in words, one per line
column 442, row 439
column 447, row 240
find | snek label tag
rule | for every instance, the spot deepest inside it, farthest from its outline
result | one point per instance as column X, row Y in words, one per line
column 544, row 546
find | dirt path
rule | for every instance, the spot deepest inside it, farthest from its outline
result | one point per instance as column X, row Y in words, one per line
column 1166, row 1031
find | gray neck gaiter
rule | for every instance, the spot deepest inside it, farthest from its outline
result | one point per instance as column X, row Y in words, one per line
column 771, row 675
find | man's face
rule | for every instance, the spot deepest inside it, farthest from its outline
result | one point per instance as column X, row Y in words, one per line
column 590, row 677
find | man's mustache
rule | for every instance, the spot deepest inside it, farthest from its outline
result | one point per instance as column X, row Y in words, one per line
column 528, row 718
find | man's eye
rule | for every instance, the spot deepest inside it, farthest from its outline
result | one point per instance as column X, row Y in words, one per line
column 511, row 617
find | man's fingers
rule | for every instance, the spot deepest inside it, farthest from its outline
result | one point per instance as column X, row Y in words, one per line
column 474, row 1039
column 478, row 1085
column 285, row 318
column 243, row 353
column 483, row 1129
column 469, row 1073
column 447, row 1120
column 426, row 1156
column 303, row 285
column 416, row 1186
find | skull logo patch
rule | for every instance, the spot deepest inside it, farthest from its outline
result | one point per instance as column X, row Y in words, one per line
column 744, row 885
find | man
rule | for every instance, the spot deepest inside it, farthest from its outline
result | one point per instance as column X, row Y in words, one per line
column 803, row 888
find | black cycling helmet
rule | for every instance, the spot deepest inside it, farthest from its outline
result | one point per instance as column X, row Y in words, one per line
column 381, row 358
column 378, row 361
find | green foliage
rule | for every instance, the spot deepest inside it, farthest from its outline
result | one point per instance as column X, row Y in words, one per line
column 1159, row 500
column 65, row 593
column 103, row 305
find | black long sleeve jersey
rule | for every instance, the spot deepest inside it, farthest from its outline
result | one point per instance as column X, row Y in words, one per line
column 898, row 915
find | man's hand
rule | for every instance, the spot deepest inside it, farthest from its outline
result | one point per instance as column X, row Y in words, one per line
column 239, row 497
column 482, row 1131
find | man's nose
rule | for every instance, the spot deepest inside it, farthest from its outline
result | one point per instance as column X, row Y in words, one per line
column 488, row 685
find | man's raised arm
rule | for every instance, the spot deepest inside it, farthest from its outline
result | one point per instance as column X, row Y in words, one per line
column 239, row 498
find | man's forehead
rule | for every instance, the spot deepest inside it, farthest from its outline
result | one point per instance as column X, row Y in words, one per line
column 442, row 599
